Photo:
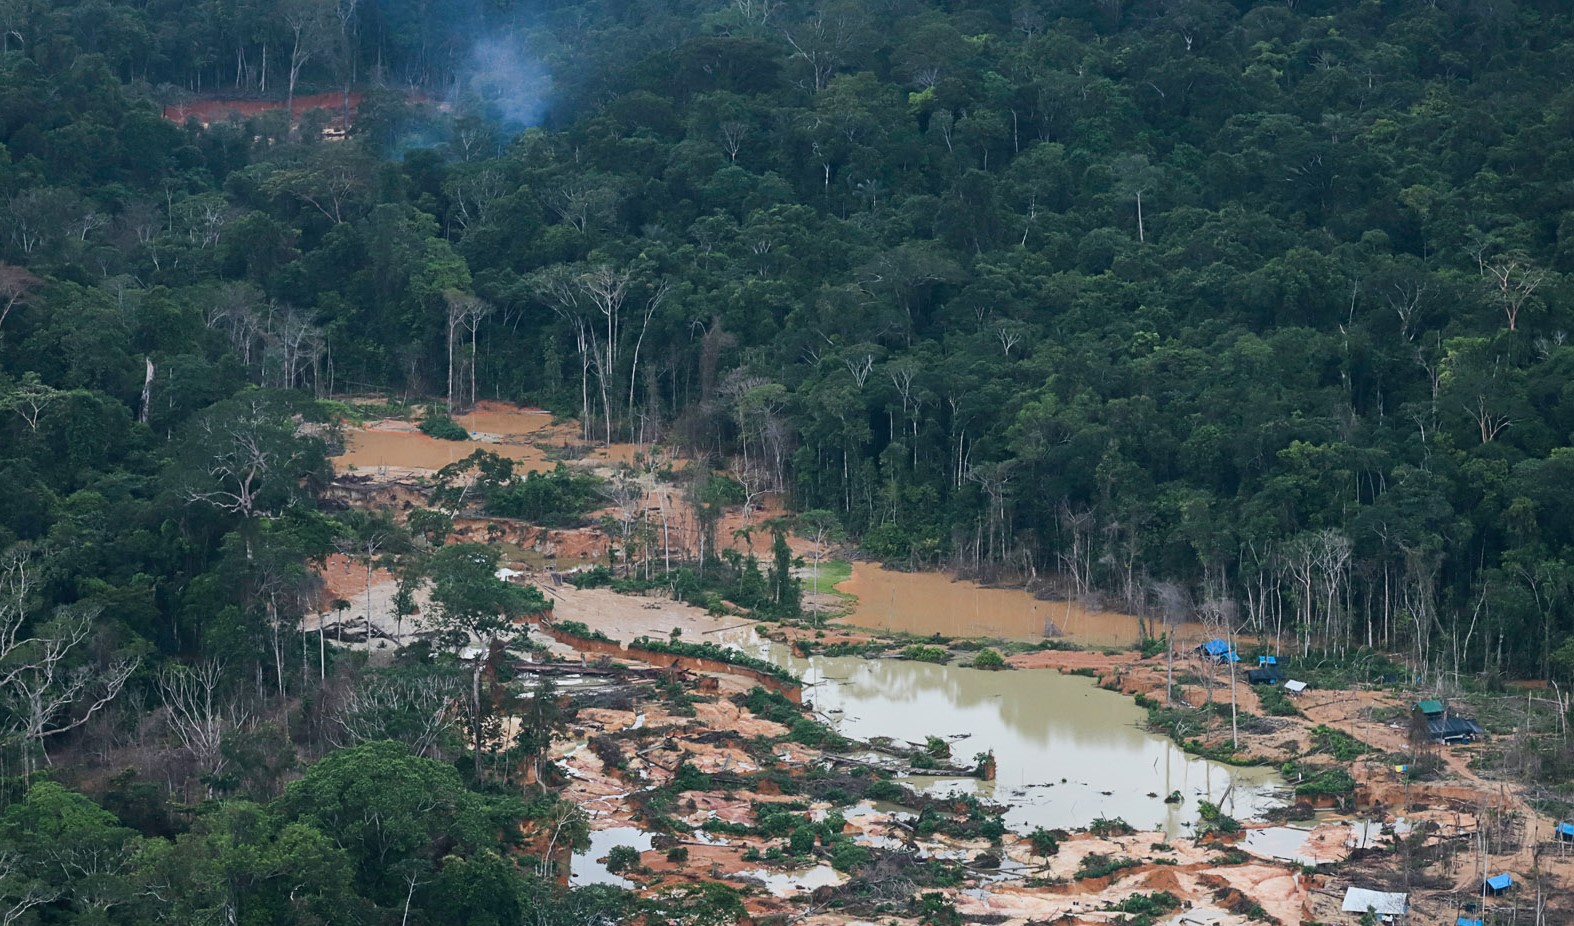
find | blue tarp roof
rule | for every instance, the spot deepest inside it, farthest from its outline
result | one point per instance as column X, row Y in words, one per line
column 1267, row 660
column 1500, row 882
column 1467, row 921
column 1215, row 647
column 1566, row 829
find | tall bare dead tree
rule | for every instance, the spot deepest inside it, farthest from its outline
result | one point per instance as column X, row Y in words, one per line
column 197, row 714
column 415, row 711
column 16, row 288
column 465, row 314
column 308, row 22
column 1513, row 279
column 49, row 683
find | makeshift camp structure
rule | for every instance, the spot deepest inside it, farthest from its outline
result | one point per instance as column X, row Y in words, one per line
column 1467, row 921
column 1430, row 708
column 1388, row 907
column 1267, row 675
column 1497, row 884
column 1219, row 650
column 1564, row 832
column 1295, row 687
column 1454, row 729
column 1267, row 660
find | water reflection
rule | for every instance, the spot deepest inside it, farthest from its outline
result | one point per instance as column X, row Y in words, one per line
column 590, row 866
column 1060, row 742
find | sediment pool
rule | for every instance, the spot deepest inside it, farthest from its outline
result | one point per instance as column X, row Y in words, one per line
column 1066, row 751
column 932, row 602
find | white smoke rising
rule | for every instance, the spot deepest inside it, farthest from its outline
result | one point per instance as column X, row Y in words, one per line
column 505, row 82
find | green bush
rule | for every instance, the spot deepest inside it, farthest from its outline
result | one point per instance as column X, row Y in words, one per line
column 689, row 778
column 1326, row 781
column 988, row 659
column 1154, row 904
column 1097, row 865
column 1339, row 744
column 885, row 791
column 1275, row 703
column 918, row 652
column 1214, row 819
column 560, row 498
column 718, row 653
column 442, row 427
column 1043, row 842
column 594, row 577
column 578, row 629
column 801, row 842
column 678, row 855
column 1106, row 827
column 622, row 858
column 848, row 856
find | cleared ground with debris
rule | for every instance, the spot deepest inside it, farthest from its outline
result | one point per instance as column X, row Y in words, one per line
column 733, row 786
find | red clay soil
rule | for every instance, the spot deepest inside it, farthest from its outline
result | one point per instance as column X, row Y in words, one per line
column 208, row 111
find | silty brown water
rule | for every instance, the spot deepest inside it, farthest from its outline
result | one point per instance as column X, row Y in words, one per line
column 927, row 603
column 1066, row 751
column 516, row 433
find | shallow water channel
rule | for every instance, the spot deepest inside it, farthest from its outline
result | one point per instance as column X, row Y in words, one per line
column 1066, row 750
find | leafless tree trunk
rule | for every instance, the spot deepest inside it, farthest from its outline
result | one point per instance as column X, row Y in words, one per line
column 306, row 20
column 44, row 693
column 653, row 302
column 465, row 314
column 366, row 712
column 16, row 288
column 196, row 714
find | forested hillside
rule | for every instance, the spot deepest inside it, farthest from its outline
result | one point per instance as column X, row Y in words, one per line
column 1261, row 304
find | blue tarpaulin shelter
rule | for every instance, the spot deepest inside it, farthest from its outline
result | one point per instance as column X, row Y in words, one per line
column 1267, row 660
column 1565, row 832
column 1220, row 650
column 1497, row 884
column 1467, row 921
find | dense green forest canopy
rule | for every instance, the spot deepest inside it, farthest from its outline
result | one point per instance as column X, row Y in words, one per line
column 1248, row 306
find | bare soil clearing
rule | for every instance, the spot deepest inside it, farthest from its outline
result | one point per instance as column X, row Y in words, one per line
column 927, row 604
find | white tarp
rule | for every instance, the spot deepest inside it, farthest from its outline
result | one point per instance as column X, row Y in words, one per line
column 1361, row 900
column 1295, row 686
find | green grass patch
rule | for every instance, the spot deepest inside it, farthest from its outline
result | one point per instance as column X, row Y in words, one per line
column 359, row 413
column 1319, row 781
column 833, row 572
column 1276, row 703
column 582, row 631
column 1097, row 865
column 1339, row 744
column 718, row 653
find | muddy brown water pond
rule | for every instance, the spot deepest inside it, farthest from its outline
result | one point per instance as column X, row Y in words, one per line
column 927, row 603
column 516, row 433
column 1066, row 750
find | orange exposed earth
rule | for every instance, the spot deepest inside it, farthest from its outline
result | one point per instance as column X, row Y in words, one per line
column 924, row 604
